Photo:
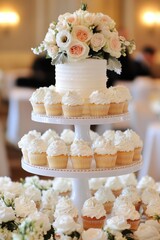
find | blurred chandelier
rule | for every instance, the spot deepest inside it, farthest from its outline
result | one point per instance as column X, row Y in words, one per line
column 9, row 18
column 151, row 18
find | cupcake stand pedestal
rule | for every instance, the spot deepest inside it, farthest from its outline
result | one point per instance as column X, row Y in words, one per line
column 80, row 187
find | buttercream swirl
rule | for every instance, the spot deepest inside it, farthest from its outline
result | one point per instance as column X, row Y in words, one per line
column 122, row 142
column 80, row 148
column 38, row 95
column 72, row 98
column 118, row 223
column 52, row 97
column 65, row 207
column 56, row 148
column 134, row 137
column 128, row 180
column 153, row 208
column 107, row 148
column 147, row 232
column 104, row 195
column 61, row 185
column 94, row 234
column 148, row 194
column 114, row 183
column 37, row 146
column 68, row 136
column 99, row 97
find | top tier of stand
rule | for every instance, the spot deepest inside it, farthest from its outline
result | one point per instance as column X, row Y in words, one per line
column 86, row 120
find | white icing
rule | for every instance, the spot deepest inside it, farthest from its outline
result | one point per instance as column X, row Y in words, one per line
column 104, row 195
column 83, row 76
column 92, row 208
column 37, row 146
column 107, row 148
column 48, row 135
column 117, row 223
column 62, row 185
column 114, row 95
column 80, row 148
column 94, row 234
column 146, row 182
column 65, row 207
column 134, row 137
column 147, row 232
column 56, row 148
column 93, row 135
column 132, row 194
column 114, row 183
column 32, row 193
column 52, row 97
column 72, row 98
column 123, row 92
column 99, row 97
column 68, row 136
column 95, row 183
column 153, row 208
column 38, row 95
column 122, row 142
column 109, row 135
column 148, row 194
column 98, row 142
column 128, row 179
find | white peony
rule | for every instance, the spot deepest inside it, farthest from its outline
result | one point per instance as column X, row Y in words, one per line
column 97, row 41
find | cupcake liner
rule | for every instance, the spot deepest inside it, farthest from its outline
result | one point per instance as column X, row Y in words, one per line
column 105, row 161
column 134, row 224
column 25, row 155
column 38, row 108
column 86, row 109
column 58, row 161
column 108, row 207
column 99, row 110
column 124, row 158
column 125, row 108
column 81, row 162
column 116, row 108
column 116, row 192
column 53, row 109
column 92, row 222
column 39, row 159
column 137, row 154
column 72, row 111
column 137, row 205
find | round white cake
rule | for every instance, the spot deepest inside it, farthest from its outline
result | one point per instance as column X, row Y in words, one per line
column 83, row 76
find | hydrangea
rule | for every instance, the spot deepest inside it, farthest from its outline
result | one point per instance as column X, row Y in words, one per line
column 81, row 35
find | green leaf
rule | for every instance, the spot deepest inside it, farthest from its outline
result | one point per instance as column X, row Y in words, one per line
column 11, row 225
column 49, row 234
column 75, row 234
column 84, row 6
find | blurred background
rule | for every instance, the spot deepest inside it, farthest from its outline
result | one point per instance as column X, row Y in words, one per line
column 23, row 25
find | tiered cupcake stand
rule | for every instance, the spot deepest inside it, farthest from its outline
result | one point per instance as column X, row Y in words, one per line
column 80, row 186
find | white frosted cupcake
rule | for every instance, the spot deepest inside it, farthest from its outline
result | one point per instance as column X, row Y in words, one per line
column 57, row 154
column 117, row 101
column 147, row 196
column 106, row 197
column 37, row 152
column 145, row 182
column 137, row 143
column 153, row 209
column 93, row 214
column 37, row 100
column 147, row 232
column 99, row 103
column 109, row 135
column 65, row 206
column 67, row 135
column 94, row 233
column 125, row 149
column 128, row 180
column 81, row 154
column 132, row 195
column 63, row 186
column 93, row 135
column 99, row 142
column 72, row 104
column 115, row 185
column 95, row 184
column 52, row 103
column 117, row 223
column 49, row 135
column 25, row 141
column 106, row 155
column 125, row 95
column 66, row 226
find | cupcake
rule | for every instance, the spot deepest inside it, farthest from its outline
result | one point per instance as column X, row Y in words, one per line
column 49, row 135
column 145, row 182
column 93, row 214
column 95, row 184
column 115, row 185
column 37, row 100
column 109, row 135
column 93, row 135
column 67, row 135
column 99, row 103
column 125, row 149
column 99, row 142
column 52, row 103
column 106, row 155
column 137, row 143
column 63, row 186
column 25, row 141
column 132, row 195
column 66, row 226
column 128, row 180
column 57, row 154
column 125, row 96
column 65, row 207
column 147, row 232
column 117, row 223
column 72, row 104
column 117, row 101
column 94, row 233
column 147, row 196
column 37, row 152
column 153, row 209
column 105, row 196
column 81, row 154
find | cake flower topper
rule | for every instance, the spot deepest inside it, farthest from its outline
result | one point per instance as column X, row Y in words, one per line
column 81, row 35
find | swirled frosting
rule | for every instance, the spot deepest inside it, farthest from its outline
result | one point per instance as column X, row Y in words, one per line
column 134, row 137
column 146, row 182
column 114, row 95
column 68, row 136
column 114, row 183
column 38, row 95
column 65, row 207
column 131, row 193
column 99, row 97
column 61, row 185
column 104, row 195
column 66, row 225
column 52, row 97
column 94, row 234
column 72, row 98
column 37, row 145
column 122, row 143
column 98, row 142
column 56, row 148
column 27, row 138
column 109, row 135
column 128, row 179
column 123, row 92
column 80, row 148
column 147, row 232
column 107, row 148
column 148, row 194
column 92, row 208
column 117, row 223
column 95, row 183
column 153, row 208
column 93, row 135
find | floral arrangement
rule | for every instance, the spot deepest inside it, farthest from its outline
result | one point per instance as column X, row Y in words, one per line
column 81, row 35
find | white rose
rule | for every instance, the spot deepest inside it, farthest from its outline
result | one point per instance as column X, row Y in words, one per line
column 81, row 33
column 72, row 19
column 6, row 214
column 77, row 51
column 113, row 46
column 89, row 19
column 63, row 25
column 63, row 39
column 50, row 37
column 52, row 51
column 97, row 41
column 104, row 29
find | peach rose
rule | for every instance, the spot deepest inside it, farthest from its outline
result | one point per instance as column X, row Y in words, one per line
column 97, row 41
column 77, row 51
column 113, row 46
column 52, row 51
column 81, row 33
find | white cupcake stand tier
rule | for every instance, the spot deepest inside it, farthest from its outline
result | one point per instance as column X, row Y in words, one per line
column 80, row 186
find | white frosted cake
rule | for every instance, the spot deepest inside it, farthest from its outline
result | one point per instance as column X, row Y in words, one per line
column 83, row 76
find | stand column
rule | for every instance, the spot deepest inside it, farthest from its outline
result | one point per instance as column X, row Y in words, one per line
column 82, row 132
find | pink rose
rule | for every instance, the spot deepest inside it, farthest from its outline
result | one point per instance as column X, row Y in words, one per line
column 113, row 46
column 97, row 41
column 77, row 51
column 81, row 33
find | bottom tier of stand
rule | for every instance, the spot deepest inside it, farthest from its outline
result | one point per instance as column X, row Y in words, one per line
column 80, row 186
